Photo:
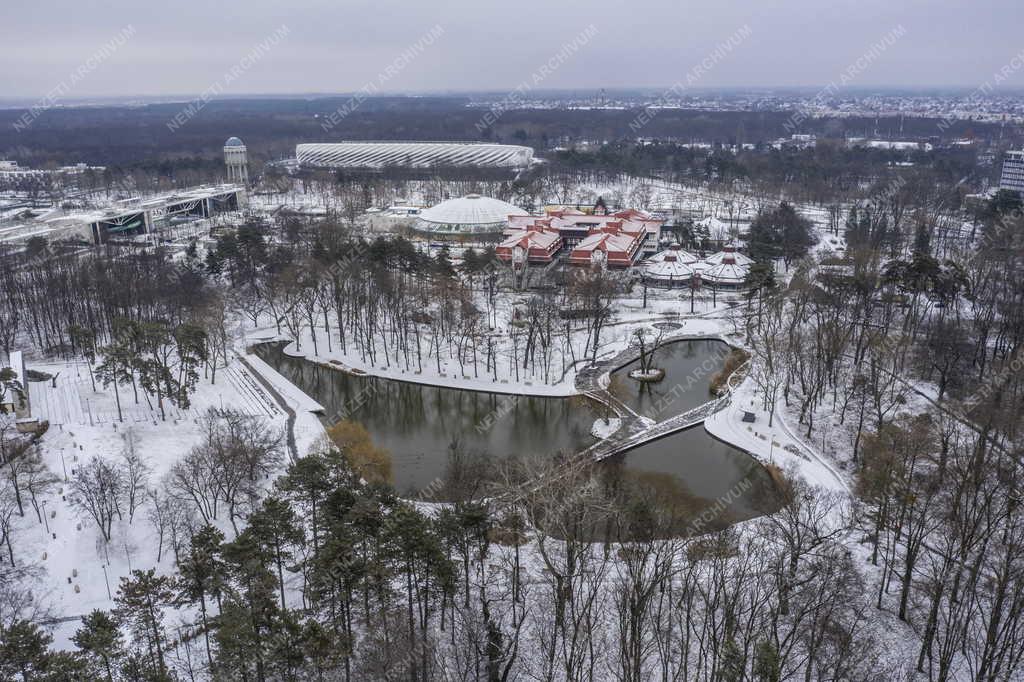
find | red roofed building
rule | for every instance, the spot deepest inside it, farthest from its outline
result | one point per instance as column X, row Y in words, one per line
column 611, row 244
column 536, row 244
column 621, row 235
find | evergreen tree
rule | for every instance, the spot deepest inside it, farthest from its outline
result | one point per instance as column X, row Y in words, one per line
column 201, row 574
column 767, row 667
column 99, row 639
column 63, row 666
column 733, row 662
column 23, row 651
column 276, row 528
column 781, row 233
column 140, row 601
column 249, row 615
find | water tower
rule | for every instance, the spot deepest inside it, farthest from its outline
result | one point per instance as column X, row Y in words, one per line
column 236, row 159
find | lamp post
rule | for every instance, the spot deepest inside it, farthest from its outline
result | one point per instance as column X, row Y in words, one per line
column 106, row 579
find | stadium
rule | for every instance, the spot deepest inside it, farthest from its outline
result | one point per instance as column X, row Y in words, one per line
column 412, row 155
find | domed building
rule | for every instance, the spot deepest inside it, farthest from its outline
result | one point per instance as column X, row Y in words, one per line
column 470, row 216
column 671, row 267
column 728, row 273
column 729, row 252
column 674, row 253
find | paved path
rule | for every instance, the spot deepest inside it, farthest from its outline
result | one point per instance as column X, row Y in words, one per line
column 635, row 429
column 280, row 402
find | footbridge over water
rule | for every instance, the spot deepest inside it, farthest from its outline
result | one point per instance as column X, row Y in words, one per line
column 636, row 429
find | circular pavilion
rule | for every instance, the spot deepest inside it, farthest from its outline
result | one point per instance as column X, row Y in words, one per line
column 728, row 274
column 671, row 267
column 470, row 216
column 729, row 252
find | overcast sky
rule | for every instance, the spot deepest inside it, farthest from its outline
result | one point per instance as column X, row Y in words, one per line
column 184, row 47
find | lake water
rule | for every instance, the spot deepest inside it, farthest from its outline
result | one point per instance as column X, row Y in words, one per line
column 421, row 425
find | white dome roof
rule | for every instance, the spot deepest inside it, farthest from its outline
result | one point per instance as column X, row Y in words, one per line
column 720, row 257
column 726, row 273
column 673, row 252
column 668, row 271
column 471, row 213
column 234, row 142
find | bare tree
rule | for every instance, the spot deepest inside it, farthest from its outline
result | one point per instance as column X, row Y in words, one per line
column 237, row 454
column 134, row 473
column 36, row 479
column 98, row 489
column 160, row 515
column 8, row 514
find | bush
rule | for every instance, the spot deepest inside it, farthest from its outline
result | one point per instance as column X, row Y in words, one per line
column 373, row 464
column 733, row 361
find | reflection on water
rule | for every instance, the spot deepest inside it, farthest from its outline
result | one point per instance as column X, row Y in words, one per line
column 689, row 366
column 690, row 472
column 422, row 426
column 419, row 424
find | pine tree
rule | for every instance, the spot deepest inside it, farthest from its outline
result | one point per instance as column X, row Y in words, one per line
column 192, row 351
column 23, row 651
column 732, row 662
column 100, row 640
column 767, row 667
column 276, row 528
column 63, row 666
column 249, row 614
column 140, row 601
column 201, row 573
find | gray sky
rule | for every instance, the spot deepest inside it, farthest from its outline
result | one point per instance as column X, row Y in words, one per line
column 187, row 46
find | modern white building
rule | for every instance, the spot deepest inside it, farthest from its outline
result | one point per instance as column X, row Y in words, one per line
column 11, row 170
column 14, row 390
column 469, row 215
column 729, row 252
column 236, row 158
column 129, row 217
column 1013, row 172
column 676, row 267
column 380, row 155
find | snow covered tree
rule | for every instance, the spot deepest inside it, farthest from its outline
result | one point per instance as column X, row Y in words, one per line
column 23, row 651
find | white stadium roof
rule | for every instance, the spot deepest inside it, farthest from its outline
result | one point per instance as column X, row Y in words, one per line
column 412, row 155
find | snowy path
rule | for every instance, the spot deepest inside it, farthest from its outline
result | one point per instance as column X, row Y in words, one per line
column 776, row 445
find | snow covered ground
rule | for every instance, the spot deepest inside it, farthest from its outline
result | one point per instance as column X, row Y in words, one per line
column 83, row 423
column 774, row 444
column 77, row 566
column 602, row 429
column 508, row 376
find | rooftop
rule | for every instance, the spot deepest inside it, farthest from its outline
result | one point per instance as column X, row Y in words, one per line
column 472, row 210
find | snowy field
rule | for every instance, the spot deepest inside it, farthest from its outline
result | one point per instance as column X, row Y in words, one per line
column 77, row 566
